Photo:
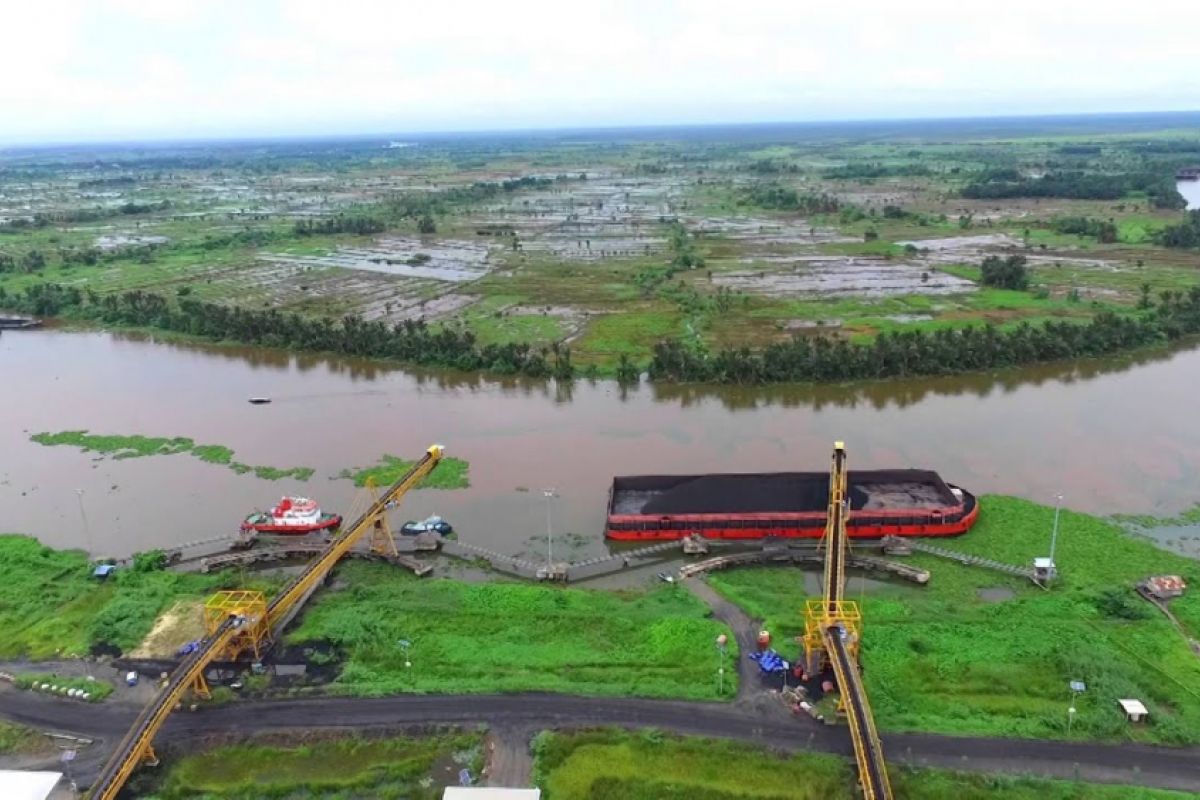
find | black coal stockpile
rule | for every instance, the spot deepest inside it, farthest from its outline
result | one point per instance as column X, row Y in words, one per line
column 777, row 492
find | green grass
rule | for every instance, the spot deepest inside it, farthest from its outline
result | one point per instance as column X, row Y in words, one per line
column 51, row 606
column 612, row 764
column 137, row 446
column 940, row 658
column 504, row 637
column 338, row 768
column 632, row 332
column 97, row 689
column 450, row 473
column 648, row 765
column 17, row 740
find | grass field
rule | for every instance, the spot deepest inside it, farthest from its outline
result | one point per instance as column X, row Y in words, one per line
column 942, row 658
column 503, row 637
column 51, row 606
column 406, row 768
column 650, row 765
column 97, row 690
column 17, row 740
column 137, row 446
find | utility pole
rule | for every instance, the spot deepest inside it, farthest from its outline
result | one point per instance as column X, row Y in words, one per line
column 1058, row 498
column 87, row 534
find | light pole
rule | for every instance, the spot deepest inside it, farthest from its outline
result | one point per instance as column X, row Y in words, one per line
column 87, row 534
column 721, row 640
column 1054, row 536
column 404, row 645
column 549, row 494
column 1077, row 688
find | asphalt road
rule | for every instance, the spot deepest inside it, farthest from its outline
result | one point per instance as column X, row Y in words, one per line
column 769, row 725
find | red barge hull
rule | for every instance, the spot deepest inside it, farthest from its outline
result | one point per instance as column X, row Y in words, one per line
column 787, row 505
column 324, row 524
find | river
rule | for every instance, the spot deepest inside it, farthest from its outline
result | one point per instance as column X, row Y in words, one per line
column 1117, row 436
column 1190, row 191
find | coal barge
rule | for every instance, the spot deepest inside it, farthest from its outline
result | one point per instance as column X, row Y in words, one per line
column 789, row 505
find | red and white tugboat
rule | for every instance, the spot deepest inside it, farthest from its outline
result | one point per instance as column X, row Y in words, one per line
column 292, row 515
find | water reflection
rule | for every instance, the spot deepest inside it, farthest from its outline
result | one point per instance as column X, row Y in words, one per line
column 879, row 395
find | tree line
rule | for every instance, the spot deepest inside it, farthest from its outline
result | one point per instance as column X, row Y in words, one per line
column 1075, row 184
column 939, row 352
column 342, row 223
column 1185, row 234
column 412, row 341
column 778, row 197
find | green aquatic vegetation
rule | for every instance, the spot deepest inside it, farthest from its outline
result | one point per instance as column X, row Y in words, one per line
column 137, row 446
column 943, row 658
column 535, row 637
column 450, row 473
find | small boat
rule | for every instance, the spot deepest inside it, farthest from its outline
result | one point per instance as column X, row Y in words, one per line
column 259, row 401
column 292, row 515
column 434, row 524
column 665, row 578
column 18, row 323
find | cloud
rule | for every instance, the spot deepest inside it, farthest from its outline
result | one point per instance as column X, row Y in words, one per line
column 113, row 68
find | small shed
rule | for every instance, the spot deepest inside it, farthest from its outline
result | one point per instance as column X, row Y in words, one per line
column 103, row 571
column 1044, row 570
column 1164, row 587
column 23, row 785
column 1134, row 710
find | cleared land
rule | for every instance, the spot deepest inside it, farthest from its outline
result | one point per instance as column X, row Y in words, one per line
column 548, row 242
column 979, row 652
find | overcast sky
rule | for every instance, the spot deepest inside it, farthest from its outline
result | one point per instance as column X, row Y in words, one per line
column 105, row 69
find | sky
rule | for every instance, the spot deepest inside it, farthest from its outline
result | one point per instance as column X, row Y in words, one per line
column 88, row 70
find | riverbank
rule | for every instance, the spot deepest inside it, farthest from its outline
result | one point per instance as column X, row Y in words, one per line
column 51, row 606
column 813, row 358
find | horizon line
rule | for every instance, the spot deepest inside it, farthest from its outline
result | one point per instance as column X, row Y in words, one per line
column 436, row 133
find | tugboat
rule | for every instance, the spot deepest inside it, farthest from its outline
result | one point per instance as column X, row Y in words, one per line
column 292, row 515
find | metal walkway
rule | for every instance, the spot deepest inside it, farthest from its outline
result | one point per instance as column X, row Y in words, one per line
column 973, row 561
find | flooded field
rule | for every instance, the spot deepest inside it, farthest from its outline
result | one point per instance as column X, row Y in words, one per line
column 1112, row 437
column 846, row 276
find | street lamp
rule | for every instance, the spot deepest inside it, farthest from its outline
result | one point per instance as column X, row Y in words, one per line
column 404, row 645
column 721, row 642
column 1077, row 688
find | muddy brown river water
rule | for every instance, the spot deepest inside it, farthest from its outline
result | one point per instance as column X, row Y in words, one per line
column 1115, row 436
